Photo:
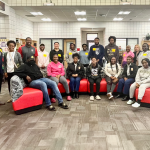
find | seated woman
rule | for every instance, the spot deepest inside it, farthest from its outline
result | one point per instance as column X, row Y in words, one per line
column 136, row 52
column 55, row 71
column 93, row 74
column 75, row 72
column 142, row 81
column 128, row 77
column 112, row 71
column 126, row 54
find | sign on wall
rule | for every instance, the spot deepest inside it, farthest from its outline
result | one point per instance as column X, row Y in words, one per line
column 3, row 44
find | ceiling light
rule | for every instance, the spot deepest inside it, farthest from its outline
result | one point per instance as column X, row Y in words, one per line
column 80, row 12
column 49, row 4
column 46, row 19
column 102, row 15
column 149, row 19
column 118, row 19
column 81, row 19
column 36, row 13
column 124, row 12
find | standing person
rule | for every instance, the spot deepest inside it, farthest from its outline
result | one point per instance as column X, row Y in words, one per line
column 12, row 61
column 136, row 52
column 69, row 54
column 43, row 60
column 75, row 73
column 55, row 71
column 126, row 54
column 111, row 49
column 57, row 51
column 142, row 81
column 28, row 50
column 93, row 73
column 144, row 54
column 33, row 77
column 97, row 51
column 128, row 77
column 112, row 71
column 84, row 60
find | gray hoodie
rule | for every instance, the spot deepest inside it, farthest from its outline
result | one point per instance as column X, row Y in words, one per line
column 69, row 54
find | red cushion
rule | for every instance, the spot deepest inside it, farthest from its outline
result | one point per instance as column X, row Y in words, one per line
column 31, row 97
column 103, row 86
column 146, row 97
column 83, row 85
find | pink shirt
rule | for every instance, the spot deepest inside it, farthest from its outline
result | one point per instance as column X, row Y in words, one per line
column 125, row 55
column 55, row 69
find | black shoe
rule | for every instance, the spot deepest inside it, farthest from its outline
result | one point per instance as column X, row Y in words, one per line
column 125, row 98
column 77, row 95
column 118, row 96
column 51, row 108
column 73, row 95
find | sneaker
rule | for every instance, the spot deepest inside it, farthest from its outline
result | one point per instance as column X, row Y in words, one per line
column 91, row 98
column 9, row 101
column 129, row 102
column 136, row 105
column 98, row 97
column 69, row 98
column 53, row 100
column 111, row 97
column 109, row 94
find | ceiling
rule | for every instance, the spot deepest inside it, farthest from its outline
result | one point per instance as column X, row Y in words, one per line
column 92, row 29
column 66, row 13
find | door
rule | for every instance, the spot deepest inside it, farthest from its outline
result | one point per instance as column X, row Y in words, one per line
column 67, row 47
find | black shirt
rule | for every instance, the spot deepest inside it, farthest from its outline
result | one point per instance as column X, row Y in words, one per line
column 59, row 53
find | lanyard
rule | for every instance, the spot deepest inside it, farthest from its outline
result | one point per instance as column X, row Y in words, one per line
column 11, row 56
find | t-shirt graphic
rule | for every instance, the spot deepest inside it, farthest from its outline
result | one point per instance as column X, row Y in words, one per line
column 94, row 71
column 97, row 51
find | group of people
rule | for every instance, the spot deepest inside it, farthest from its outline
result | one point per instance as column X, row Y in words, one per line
column 42, row 70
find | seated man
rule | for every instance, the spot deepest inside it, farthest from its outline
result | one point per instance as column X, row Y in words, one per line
column 128, row 77
column 32, row 75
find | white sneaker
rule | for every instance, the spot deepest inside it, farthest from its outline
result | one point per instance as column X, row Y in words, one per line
column 109, row 94
column 91, row 98
column 136, row 105
column 129, row 102
column 111, row 97
column 98, row 97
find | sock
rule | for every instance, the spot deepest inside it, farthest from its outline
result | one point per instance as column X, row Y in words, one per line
column 132, row 99
column 139, row 101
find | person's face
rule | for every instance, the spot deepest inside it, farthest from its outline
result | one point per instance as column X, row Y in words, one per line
column 113, row 60
column 56, row 46
column 72, row 47
column 129, row 60
column 145, row 47
column 96, row 41
column 55, row 58
column 84, row 47
column 145, row 64
column 75, row 59
column 112, row 41
column 42, row 48
column 128, row 48
column 11, row 47
column 137, row 48
column 28, row 42
column 94, row 61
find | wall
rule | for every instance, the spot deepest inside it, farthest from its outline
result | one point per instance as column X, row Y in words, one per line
column 4, row 26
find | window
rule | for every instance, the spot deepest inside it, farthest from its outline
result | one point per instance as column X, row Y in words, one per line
column 91, row 36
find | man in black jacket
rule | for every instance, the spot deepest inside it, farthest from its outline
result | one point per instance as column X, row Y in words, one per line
column 93, row 72
column 32, row 75
column 128, row 77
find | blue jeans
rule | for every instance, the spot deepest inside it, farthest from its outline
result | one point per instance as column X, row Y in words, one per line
column 125, row 84
column 75, row 84
column 44, row 83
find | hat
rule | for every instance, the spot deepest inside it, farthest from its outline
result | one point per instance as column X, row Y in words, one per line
column 30, row 58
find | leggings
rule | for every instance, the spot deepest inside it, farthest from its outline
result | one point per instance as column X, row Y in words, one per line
column 1, row 79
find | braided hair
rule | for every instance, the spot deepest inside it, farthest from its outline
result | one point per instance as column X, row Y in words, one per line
column 111, row 64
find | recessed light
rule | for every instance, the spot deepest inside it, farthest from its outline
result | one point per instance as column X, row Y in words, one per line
column 46, row 19
column 36, row 13
column 80, row 12
column 118, row 19
column 81, row 19
column 124, row 12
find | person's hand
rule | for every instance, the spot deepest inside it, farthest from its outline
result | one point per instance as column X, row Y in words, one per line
column 58, row 76
column 125, row 78
column 6, row 75
column 112, row 77
column 73, row 75
column 29, row 79
column 137, row 85
column 97, row 60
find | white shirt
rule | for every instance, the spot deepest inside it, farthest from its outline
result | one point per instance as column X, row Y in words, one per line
column 75, row 66
column 10, row 62
column 128, row 69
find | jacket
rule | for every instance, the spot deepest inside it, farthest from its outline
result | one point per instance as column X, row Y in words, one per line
column 55, row 69
column 136, row 56
column 33, row 71
column 69, row 54
column 17, row 60
column 59, row 53
column 71, row 70
column 111, row 50
column 89, row 73
column 1, row 61
column 133, row 71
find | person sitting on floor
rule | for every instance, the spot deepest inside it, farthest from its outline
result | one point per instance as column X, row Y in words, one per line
column 32, row 75
column 55, row 71
column 128, row 77
column 142, row 81
column 112, row 71
column 75, row 72
column 93, row 73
